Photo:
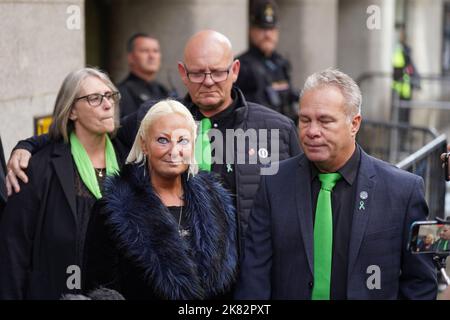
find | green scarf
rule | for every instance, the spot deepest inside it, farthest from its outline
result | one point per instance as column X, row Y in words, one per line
column 85, row 167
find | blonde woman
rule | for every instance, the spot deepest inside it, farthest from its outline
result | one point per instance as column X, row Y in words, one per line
column 42, row 230
column 164, row 231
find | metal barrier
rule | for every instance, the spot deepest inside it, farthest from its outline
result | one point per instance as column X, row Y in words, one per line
column 418, row 152
column 387, row 75
column 381, row 139
column 434, row 95
column 426, row 163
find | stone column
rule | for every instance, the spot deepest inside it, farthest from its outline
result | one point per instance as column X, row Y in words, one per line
column 424, row 30
column 308, row 36
column 366, row 46
column 40, row 43
column 424, row 36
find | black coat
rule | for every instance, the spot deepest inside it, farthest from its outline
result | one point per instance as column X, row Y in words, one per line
column 3, row 194
column 133, row 245
column 38, row 229
column 267, row 81
column 134, row 91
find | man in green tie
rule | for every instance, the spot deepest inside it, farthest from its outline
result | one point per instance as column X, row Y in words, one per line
column 334, row 222
column 443, row 243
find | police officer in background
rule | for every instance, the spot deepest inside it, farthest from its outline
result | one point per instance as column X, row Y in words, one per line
column 265, row 75
column 405, row 74
column 144, row 62
column 3, row 194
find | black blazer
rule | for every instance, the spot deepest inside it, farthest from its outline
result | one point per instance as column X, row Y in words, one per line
column 38, row 230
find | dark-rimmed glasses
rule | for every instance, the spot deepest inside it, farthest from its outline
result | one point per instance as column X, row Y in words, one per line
column 216, row 75
column 96, row 99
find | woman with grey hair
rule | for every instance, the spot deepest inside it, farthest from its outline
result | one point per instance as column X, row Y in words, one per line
column 164, row 230
column 43, row 228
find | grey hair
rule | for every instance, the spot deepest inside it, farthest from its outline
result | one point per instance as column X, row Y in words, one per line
column 162, row 108
column 340, row 80
column 62, row 125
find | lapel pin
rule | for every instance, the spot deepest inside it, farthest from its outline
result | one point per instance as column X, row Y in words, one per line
column 361, row 205
column 263, row 153
column 363, row 195
column 229, row 168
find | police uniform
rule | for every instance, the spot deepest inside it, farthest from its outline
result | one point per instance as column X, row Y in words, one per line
column 404, row 73
column 266, row 80
column 134, row 91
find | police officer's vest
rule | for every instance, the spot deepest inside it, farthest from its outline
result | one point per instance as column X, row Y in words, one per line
column 401, row 84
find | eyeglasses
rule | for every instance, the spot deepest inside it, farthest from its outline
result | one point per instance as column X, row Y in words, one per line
column 96, row 99
column 216, row 75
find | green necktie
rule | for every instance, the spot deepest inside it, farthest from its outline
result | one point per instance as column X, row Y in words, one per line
column 203, row 146
column 323, row 237
column 443, row 245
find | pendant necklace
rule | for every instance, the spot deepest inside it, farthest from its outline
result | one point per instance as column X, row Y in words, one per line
column 182, row 232
column 99, row 172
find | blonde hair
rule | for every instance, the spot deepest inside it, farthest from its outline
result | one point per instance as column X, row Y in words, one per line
column 62, row 125
column 162, row 108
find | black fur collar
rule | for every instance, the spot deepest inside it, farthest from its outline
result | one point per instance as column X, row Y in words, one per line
column 200, row 267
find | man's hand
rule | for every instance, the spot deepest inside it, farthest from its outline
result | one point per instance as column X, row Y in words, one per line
column 17, row 163
column 445, row 295
column 444, row 159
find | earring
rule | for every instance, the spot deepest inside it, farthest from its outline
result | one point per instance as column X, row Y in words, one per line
column 189, row 172
column 144, row 163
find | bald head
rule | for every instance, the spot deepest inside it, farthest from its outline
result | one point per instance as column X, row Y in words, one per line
column 206, row 44
column 208, row 56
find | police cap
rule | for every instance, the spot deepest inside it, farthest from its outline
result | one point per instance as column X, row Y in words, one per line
column 264, row 14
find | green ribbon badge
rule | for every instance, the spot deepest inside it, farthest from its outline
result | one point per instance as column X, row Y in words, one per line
column 363, row 195
column 229, row 168
column 361, row 205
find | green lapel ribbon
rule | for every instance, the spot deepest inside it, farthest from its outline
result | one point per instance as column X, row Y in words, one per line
column 323, row 237
column 203, row 146
column 85, row 167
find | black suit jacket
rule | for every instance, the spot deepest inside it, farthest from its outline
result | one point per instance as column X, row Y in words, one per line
column 278, row 257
